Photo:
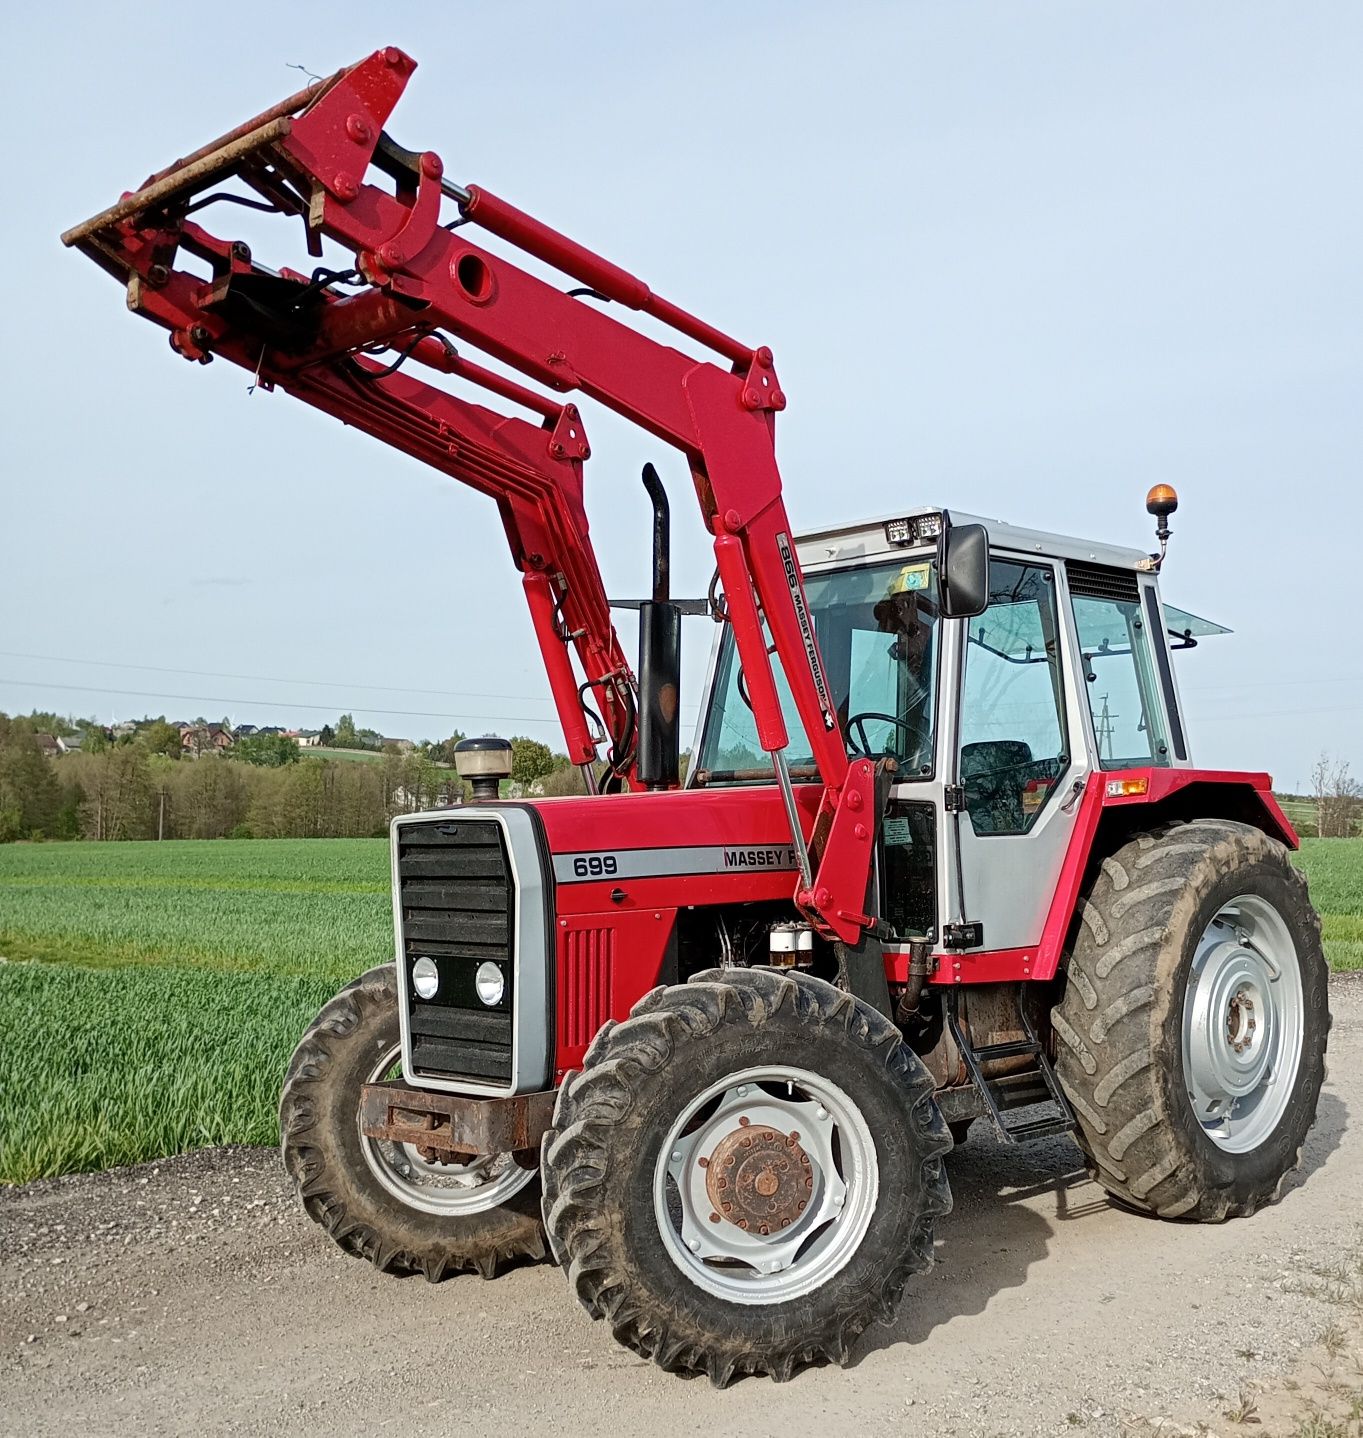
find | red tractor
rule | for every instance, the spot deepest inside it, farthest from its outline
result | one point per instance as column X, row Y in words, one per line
column 942, row 854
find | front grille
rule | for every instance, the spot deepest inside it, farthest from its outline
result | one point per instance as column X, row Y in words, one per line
column 457, row 906
column 1098, row 581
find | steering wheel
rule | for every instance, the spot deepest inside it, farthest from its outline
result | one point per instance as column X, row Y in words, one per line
column 862, row 745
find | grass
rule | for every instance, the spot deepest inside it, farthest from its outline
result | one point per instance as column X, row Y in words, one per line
column 1334, row 870
column 281, row 906
column 165, row 987
column 155, row 991
column 111, row 1067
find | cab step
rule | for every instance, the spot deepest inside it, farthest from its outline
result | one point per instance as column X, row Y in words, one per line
column 1012, row 1092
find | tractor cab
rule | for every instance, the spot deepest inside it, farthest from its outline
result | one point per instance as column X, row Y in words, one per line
column 994, row 723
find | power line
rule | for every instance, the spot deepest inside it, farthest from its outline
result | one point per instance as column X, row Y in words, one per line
column 449, row 714
column 264, row 703
column 1259, row 684
column 269, row 679
column 1278, row 713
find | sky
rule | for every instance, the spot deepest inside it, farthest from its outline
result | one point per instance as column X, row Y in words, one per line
column 1024, row 260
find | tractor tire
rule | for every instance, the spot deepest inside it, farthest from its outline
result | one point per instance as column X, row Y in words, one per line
column 379, row 1201
column 1193, row 1071
column 825, row 1124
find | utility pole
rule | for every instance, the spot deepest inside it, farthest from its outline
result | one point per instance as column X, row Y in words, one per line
column 1104, row 734
column 161, row 818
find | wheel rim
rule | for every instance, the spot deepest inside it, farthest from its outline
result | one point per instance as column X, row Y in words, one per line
column 774, row 1147
column 447, row 1189
column 1243, row 1017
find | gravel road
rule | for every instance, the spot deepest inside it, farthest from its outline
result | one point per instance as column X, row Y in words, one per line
column 191, row 1296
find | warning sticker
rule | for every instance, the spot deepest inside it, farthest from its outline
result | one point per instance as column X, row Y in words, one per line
column 912, row 579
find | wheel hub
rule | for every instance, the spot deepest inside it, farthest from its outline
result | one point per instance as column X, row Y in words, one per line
column 1242, row 1024
column 765, row 1184
column 758, row 1178
column 1231, row 1029
column 1241, row 1021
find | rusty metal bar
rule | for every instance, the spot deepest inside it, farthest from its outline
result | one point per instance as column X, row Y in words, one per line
column 455, row 1123
column 187, row 177
column 290, row 106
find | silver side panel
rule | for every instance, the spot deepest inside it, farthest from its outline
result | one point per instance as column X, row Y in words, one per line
column 530, row 1056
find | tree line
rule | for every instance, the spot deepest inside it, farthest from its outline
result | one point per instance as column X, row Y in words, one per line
column 137, row 786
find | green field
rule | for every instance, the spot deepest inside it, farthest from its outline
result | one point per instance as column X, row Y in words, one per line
column 154, row 992
column 170, row 985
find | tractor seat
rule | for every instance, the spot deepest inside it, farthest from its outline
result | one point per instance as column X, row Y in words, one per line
column 993, row 773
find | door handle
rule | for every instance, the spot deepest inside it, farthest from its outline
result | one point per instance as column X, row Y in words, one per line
column 1072, row 798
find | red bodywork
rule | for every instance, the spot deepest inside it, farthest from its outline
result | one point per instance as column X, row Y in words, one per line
column 611, row 951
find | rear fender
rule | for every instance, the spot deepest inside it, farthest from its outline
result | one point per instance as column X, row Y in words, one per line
column 1109, row 817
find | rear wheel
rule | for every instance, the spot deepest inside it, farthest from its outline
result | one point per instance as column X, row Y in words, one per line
column 745, row 1173
column 1193, row 1027
column 405, row 1211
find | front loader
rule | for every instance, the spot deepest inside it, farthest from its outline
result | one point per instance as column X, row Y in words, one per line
column 942, row 854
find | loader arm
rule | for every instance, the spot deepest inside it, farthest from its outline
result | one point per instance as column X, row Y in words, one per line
column 418, row 287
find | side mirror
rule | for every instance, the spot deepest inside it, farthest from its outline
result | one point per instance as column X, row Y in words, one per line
column 963, row 570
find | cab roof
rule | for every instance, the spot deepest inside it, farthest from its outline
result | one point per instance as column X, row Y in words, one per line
column 866, row 539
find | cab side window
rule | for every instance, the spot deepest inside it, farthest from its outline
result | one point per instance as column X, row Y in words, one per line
column 1013, row 739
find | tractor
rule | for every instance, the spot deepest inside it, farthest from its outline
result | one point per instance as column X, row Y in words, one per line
column 942, row 854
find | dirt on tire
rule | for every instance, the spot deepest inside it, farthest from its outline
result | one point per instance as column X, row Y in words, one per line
column 612, row 1117
column 1119, row 1025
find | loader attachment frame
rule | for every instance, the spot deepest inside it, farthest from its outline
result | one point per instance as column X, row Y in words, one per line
column 420, row 289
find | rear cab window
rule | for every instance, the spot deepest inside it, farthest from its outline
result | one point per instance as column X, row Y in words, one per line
column 1121, row 672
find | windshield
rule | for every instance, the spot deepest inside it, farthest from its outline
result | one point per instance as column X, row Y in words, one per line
column 877, row 633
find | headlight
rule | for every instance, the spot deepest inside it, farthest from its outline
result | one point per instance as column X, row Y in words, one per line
column 426, row 978
column 490, row 983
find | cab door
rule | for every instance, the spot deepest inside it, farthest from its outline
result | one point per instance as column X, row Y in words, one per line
column 1016, row 757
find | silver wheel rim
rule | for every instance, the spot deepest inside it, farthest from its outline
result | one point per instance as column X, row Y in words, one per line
column 789, row 1116
column 445, row 1189
column 1243, row 1017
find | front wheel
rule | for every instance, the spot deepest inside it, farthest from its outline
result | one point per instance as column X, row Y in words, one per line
column 1191, row 1035
column 745, row 1173
column 405, row 1211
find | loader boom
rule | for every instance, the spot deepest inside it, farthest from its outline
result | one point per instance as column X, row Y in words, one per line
column 419, row 287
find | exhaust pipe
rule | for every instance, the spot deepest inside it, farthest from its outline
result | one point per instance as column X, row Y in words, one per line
column 659, row 752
